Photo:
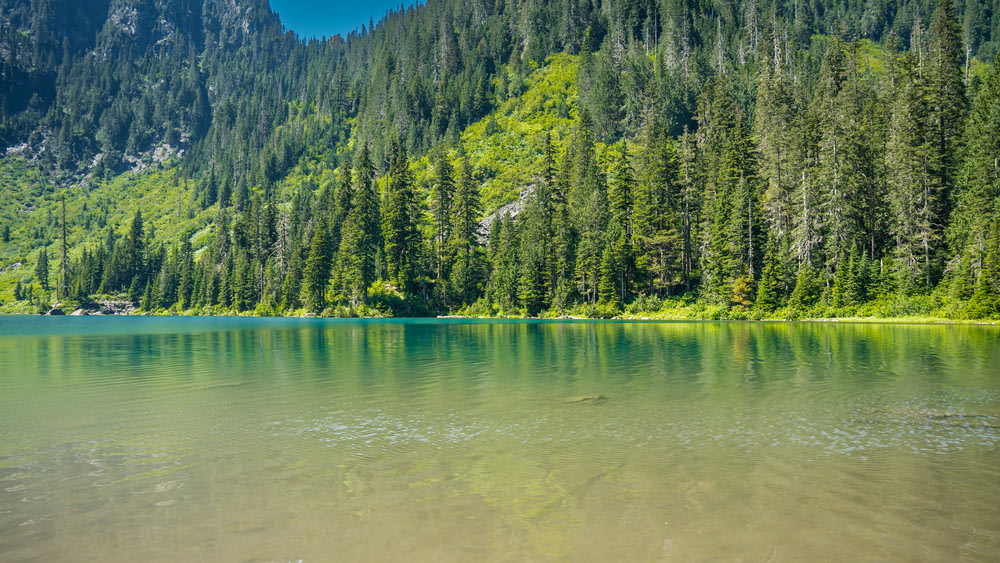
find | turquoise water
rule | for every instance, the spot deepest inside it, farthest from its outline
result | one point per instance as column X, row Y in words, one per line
column 179, row 439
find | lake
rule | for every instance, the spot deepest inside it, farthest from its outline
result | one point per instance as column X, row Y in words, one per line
column 225, row 439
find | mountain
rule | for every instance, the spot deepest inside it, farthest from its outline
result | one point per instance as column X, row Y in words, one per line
column 503, row 157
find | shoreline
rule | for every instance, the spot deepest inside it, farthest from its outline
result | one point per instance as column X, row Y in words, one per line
column 632, row 317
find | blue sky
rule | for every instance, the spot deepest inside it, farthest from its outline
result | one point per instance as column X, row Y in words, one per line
column 319, row 18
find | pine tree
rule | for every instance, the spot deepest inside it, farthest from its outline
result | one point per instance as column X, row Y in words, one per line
column 441, row 200
column 776, row 118
column 135, row 253
column 242, row 282
column 464, row 243
column 985, row 300
column 612, row 283
column 621, row 199
column 657, row 213
column 733, row 232
column 186, row 269
column 807, row 289
column 341, row 206
column 64, row 262
column 846, row 288
column 946, row 101
column 502, row 288
column 399, row 222
column 361, row 238
column 291, row 286
column 979, row 176
column 777, row 275
column 535, row 267
column 588, row 200
column 914, row 189
column 42, row 268
column 316, row 274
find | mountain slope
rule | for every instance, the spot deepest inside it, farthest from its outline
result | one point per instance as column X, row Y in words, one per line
column 757, row 159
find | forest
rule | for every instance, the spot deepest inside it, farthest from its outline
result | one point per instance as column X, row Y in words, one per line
column 593, row 158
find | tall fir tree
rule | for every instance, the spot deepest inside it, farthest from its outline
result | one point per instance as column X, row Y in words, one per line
column 657, row 212
column 42, row 268
column 464, row 243
column 399, row 222
column 361, row 239
column 913, row 187
column 946, row 101
column 442, row 195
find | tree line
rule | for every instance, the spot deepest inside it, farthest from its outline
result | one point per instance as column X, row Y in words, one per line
column 758, row 158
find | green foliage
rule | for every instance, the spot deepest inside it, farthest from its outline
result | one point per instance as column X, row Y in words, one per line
column 681, row 161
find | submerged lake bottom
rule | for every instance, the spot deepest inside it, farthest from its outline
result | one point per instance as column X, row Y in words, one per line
column 165, row 439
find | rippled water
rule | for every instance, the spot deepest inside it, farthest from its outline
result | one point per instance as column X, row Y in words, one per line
column 163, row 439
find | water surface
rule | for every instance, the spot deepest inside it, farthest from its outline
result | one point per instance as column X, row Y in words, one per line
column 167, row 439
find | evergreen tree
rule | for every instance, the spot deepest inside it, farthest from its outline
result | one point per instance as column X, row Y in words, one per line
column 588, row 200
column 399, row 223
column 291, row 286
column 441, row 199
column 807, row 290
column 502, row 289
column 361, row 238
column 733, row 230
column 316, row 274
column 612, row 283
column 657, row 212
column 914, row 189
column 42, row 268
column 618, row 270
column 946, row 101
column 464, row 243
column 135, row 253
column 979, row 176
column 777, row 275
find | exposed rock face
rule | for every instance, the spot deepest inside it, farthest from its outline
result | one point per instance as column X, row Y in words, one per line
column 109, row 307
column 56, row 311
column 513, row 209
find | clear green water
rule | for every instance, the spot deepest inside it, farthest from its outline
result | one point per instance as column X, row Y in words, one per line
column 164, row 439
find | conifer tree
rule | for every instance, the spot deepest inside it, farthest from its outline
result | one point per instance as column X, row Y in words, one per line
column 399, row 222
column 441, row 200
column 733, row 231
column 502, row 289
column 316, row 274
column 946, row 101
column 979, row 176
column 588, row 200
column 535, row 260
column 775, row 122
column 291, row 286
column 64, row 262
column 135, row 252
column 464, row 243
column 621, row 200
column 657, row 213
column 42, row 268
column 185, row 281
column 914, row 189
column 612, row 284
column 361, row 238
column 777, row 274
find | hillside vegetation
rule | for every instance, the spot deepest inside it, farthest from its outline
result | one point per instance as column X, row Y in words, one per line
column 594, row 158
